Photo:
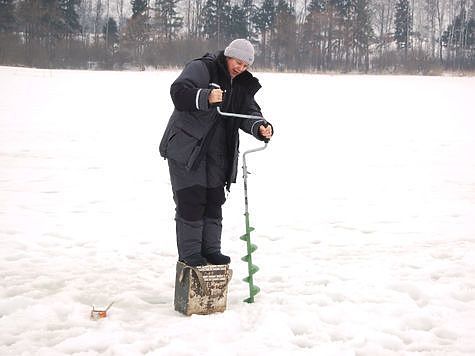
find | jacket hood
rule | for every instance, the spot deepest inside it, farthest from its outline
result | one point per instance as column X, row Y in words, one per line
column 220, row 60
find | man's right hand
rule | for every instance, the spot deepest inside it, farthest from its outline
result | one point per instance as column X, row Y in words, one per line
column 215, row 96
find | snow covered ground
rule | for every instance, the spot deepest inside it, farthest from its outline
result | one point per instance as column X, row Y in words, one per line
column 363, row 204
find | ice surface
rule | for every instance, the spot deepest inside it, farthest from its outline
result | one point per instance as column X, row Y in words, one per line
column 363, row 204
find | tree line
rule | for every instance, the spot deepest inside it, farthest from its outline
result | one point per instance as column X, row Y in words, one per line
column 317, row 35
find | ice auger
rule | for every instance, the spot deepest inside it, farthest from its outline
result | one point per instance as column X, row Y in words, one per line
column 252, row 268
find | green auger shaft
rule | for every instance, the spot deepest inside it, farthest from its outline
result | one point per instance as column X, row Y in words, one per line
column 252, row 268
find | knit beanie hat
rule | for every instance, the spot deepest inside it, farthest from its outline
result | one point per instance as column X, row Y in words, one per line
column 240, row 49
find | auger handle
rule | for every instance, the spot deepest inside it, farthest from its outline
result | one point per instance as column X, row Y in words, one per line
column 242, row 116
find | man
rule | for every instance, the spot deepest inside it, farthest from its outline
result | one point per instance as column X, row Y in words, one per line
column 202, row 146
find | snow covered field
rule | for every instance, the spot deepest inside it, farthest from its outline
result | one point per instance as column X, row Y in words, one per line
column 363, row 204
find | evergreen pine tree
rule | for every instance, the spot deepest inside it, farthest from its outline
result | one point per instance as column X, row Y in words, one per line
column 459, row 38
column 284, row 42
column 317, row 6
column 42, row 24
column 216, row 18
column 7, row 15
column 111, row 39
column 249, row 10
column 344, row 30
column 137, row 30
column 345, row 9
column 167, row 21
column 52, row 22
column 111, row 33
column 238, row 24
column 265, row 15
column 364, row 32
column 403, row 25
column 314, row 33
column 460, row 33
column 264, row 19
column 138, row 7
column 70, row 15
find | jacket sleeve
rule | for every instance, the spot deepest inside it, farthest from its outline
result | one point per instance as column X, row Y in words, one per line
column 251, row 126
column 190, row 91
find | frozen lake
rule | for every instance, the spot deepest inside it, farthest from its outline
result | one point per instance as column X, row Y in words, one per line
column 363, row 204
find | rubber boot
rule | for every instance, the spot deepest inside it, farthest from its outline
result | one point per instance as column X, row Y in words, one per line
column 189, row 235
column 211, row 247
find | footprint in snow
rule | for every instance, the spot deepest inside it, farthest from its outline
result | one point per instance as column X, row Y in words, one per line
column 303, row 342
column 465, row 295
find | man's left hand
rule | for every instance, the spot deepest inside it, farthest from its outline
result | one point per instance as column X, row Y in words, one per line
column 265, row 132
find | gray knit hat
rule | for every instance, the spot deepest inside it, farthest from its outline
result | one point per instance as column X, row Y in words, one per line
column 240, row 49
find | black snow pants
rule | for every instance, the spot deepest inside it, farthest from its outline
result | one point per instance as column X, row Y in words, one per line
column 199, row 196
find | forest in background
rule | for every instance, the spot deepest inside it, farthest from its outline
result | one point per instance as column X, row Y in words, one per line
column 367, row 36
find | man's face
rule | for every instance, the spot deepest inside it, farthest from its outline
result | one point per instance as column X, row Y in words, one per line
column 236, row 66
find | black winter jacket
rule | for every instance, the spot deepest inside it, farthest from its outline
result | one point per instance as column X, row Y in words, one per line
column 193, row 121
